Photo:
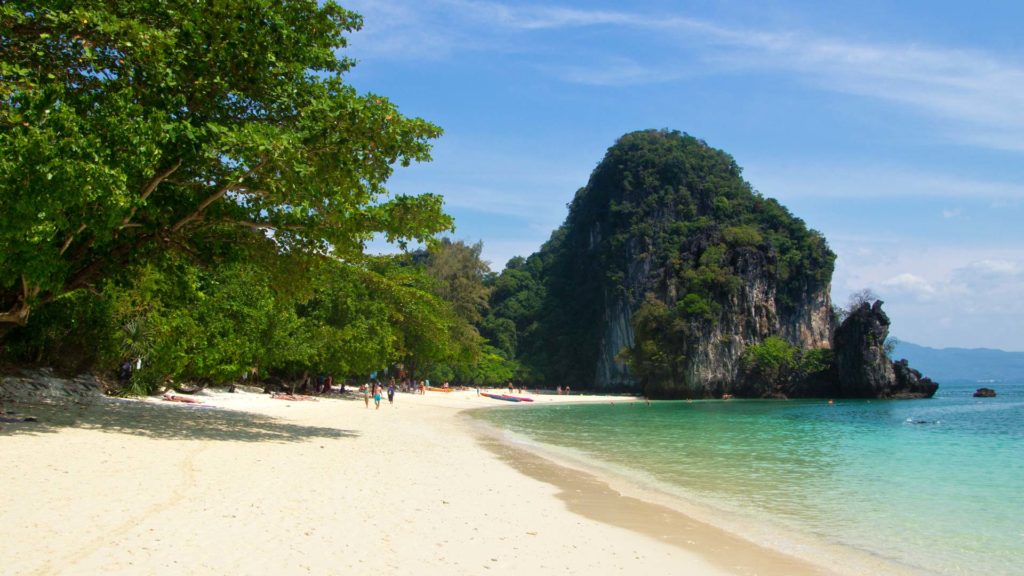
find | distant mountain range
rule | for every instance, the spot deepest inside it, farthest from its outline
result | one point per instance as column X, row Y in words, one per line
column 962, row 363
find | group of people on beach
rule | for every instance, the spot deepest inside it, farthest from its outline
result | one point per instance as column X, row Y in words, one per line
column 319, row 384
column 377, row 390
column 563, row 390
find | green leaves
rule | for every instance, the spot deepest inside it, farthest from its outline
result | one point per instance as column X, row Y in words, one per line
column 136, row 128
column 772, row 364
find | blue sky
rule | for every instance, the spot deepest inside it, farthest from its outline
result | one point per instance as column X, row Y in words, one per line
column 894, row 128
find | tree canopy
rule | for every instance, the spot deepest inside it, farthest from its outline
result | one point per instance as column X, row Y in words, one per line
column 463, row 280
column 191, row 187
column 133, row 129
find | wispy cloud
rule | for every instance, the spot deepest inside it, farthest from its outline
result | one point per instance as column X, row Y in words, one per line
column 615, row 71
column 785, row 180
column 931, row 271
column 907, row 282
column 940, row 295
column 979, row 95
column 988, row 272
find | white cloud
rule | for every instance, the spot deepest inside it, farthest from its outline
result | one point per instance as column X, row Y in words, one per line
column 984, row 276
column 616, row 71
column 907, row 282
column 782, row 180
column 939, row 294
column 977, row 95
column 539, row 17
column 951, row 213
column 996, row 267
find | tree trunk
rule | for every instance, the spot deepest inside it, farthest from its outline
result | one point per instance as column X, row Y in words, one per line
column 16, row 316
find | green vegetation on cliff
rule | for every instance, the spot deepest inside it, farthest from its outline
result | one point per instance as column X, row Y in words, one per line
column 668, row 228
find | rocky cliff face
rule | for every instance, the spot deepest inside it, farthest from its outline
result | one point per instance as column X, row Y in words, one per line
column 748, row 315
column 863, row 369
column 669, row 267
column 667, row 218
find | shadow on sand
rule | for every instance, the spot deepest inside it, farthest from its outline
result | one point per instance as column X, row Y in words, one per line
column 164, row 422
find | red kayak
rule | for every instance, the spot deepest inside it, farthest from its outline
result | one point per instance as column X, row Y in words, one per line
column 500, row 397
column 507, row 398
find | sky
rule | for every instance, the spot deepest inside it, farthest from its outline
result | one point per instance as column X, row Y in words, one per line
column 896, row 129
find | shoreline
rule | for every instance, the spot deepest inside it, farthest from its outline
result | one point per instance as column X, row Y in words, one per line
column 593, row 496
column 247, row 484
column 735, row 542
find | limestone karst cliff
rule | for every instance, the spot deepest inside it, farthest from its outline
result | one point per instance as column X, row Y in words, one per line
column 670, row 266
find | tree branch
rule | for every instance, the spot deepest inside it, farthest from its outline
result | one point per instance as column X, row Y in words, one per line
column 85, row 274
column 18, row 314
column 158, row 178
column 149, row 188
column 237, row 183
column 71, row 238
column 203, row 206
column 253, row 225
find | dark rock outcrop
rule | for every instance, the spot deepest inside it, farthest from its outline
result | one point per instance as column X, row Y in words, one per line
column 863, row 369
column 42, row 386
column 984, row 393
column 910, row 383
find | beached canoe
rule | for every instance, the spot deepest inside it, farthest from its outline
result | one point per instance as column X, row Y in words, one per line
column 504, row 397
column 437, row 389
column 507, row 397
column 520, row 398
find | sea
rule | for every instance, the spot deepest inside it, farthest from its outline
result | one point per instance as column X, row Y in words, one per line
column 934, row 486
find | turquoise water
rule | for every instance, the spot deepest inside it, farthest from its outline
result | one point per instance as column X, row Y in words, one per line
column 936, row 485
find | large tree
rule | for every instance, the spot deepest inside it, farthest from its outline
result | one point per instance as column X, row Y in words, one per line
column 203, row 128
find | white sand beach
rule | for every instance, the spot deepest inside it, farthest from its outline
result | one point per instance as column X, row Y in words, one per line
column 246, row 484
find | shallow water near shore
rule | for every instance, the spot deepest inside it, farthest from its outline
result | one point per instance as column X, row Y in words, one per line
column 934, row 486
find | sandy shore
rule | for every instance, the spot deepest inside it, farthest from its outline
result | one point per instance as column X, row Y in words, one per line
column 249, row 485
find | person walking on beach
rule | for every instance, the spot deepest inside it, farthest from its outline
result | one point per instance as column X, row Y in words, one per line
column 391, row 393
column 366, row 394
column 376, row 396
column 125, row 373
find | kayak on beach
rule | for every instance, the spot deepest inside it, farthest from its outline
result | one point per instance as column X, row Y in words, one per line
column 500, row 397
column 507, row 398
